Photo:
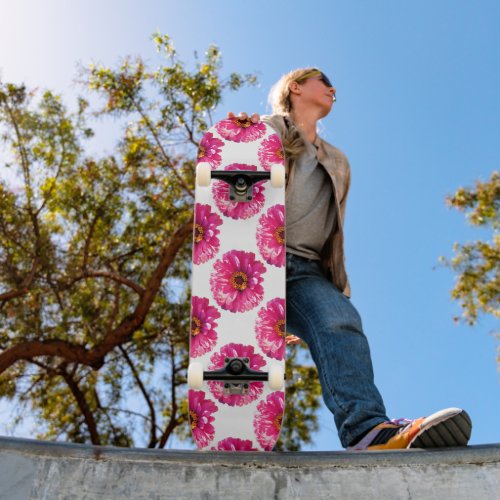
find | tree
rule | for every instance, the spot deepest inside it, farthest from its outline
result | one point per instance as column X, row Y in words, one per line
column 477, row 266
column 95, row 255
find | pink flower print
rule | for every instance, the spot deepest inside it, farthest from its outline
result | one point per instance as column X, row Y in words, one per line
column 270, row 329
column 236, row 281
column 209, row 150
column 256, row 362
column 238, row 209
column 201, row 412
column 271, row 152
column 203, row 324
column 267, row 421
column 271, row 236
column 236, row 130
column 235, row 444
column 205, row 236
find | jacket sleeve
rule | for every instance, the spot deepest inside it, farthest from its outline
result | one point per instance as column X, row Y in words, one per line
column 343, row 202
column 276, row 122
column 347, row 185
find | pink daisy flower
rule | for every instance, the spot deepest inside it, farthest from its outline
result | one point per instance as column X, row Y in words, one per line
column 270, row 328
column 236, row 130
column 236, row 281
column 271, row 236
column 218, row 361
column 203, row 324
column 201, row 412
column 205, row 233
column 209, row 150
column 268, row 419
column 238, row 209
column 235, row 444
column 271, row 152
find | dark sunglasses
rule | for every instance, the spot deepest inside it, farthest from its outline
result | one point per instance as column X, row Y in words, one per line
column 316, row 72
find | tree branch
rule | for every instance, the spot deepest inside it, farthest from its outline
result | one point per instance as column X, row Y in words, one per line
column 24, row 288
column 53, row 184
column 173, row 422
column 114, row 277
column 137, row 378
column 160, row 146
column 82, row 404
column 121, row 334
column 89, row 238
column 5, row 231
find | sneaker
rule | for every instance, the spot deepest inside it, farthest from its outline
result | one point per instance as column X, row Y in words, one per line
column 450, row 427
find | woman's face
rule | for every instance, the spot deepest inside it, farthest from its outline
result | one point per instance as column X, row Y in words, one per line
column 315, row 91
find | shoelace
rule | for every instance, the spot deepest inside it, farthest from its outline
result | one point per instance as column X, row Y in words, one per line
column 401, row 421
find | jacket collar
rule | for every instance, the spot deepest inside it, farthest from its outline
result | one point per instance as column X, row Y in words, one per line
column 327, row 160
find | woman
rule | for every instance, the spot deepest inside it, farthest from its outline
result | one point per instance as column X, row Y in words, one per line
column 319, row 310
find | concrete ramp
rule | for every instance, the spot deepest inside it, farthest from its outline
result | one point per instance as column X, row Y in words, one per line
column 35, row 469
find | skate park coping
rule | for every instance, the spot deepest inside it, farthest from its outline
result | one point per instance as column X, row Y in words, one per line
column 31, row 469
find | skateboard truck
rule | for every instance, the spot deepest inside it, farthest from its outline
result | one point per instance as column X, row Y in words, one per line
column 236, row 376
column 240, row 182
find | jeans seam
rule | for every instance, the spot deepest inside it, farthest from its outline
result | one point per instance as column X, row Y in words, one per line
column 332, row 392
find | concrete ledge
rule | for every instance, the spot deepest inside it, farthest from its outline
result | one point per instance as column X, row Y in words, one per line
column 37, row 469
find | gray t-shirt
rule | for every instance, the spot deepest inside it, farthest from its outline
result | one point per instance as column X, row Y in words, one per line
column 310, row 207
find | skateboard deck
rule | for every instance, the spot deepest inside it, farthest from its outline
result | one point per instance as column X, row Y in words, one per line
column 236, row 393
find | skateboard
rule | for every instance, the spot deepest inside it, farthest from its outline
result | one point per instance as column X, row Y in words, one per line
column 236, row 395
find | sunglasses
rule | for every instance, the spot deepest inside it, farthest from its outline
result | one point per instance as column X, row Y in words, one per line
column 316, row 72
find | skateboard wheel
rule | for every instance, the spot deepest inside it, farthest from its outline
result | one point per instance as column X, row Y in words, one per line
column 277, row 176
column 276, row 377
column 203, row 174
column 195, row 375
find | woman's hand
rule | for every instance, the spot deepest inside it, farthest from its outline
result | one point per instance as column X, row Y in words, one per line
column 254, row 118
column 292, row 340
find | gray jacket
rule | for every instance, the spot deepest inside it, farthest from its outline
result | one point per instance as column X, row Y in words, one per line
column 337, row 166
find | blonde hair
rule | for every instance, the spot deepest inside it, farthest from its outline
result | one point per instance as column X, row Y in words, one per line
column 281, row 104
column 279, row 96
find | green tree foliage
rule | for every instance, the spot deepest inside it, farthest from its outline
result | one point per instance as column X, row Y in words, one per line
column 477, row 264
column 95, row 255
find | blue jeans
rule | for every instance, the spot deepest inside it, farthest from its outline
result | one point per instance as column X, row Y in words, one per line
column 325, row 319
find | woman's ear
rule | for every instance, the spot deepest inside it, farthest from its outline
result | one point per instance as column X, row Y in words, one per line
column 294, row 88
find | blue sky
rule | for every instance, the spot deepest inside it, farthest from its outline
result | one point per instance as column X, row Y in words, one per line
column 418, row 115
